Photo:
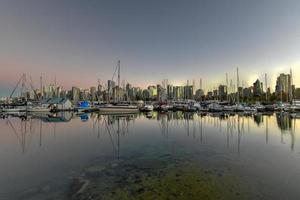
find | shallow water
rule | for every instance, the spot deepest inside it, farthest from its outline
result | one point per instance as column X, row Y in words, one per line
column 144, row 156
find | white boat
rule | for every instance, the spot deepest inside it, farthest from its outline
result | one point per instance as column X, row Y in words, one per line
column 164, row 108
column 228, row 108
column 203, row 109
column 119, row 108
column 250, row 109
column 295, row 108
column 14, row 109
column 260, row 108
column 191, row 108
column 214, row 107
column 42, row 108
column 197, row 106
column 239, row 108
column 148, row 108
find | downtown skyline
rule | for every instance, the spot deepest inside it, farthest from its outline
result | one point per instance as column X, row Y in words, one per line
column 80, row 42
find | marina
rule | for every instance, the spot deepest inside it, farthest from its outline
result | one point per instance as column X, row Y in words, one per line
column 149, row 100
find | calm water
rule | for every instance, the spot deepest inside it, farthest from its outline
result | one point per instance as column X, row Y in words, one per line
column 41, row 156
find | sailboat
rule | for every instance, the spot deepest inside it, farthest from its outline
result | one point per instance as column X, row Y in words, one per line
column 39, row 108
column 118, row 107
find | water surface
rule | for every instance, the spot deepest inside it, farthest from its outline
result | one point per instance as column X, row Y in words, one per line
column 156, row 155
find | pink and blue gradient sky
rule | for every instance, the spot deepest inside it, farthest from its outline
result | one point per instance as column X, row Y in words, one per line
column 81, row 41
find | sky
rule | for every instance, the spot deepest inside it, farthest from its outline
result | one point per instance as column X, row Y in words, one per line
column 79, row 42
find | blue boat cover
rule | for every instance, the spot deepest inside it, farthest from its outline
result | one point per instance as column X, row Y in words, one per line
column 84, row 104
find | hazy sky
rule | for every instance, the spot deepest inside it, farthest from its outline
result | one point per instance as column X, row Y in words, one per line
column 81, row 41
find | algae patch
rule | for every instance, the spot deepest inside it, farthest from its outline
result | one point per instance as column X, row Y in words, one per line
column 157, row 179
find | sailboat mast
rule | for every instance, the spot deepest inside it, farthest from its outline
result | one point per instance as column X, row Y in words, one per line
column 292, row 92
column 119, row 65
column 266, row 82
column 227, row 87
column 238, row 83
column 41, row 86
column 281, row 92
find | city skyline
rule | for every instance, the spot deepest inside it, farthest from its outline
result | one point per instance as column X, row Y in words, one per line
column 79, row 42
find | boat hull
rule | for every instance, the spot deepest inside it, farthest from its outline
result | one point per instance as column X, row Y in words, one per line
column 118, row 110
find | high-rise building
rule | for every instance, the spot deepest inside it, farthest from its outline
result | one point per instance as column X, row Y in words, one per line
column 297, row 94
column 178, row 92
column 146, row 94
column 188, row 92
column 248, row 92
column 284, row 85
column 199, row 94
column 110, row 86
column 93, row 93
column 49, row 91
column 170, row 92
column 75, row 94
column 222, row 92
column 153, row 92
column 161, row 93
column 215, row 94
column 258, row 88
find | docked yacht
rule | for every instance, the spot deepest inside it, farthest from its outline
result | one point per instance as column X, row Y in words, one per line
column 119, row 108
column 239, row 108
column 214, row 107
column 197, row 106
column 164, row 108
column 39, row 108
column 228, row 108
column 16, row 109
column 147, row 108
column 250, row 109
column 260, row 108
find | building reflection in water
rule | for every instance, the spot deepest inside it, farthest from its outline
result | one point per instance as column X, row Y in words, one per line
column 195, row 125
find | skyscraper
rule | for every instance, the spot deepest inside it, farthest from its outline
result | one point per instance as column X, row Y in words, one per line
column 284, row 85
column 257, row 88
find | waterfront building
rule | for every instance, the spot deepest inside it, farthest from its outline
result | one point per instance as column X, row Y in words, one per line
column 284, row 85
column 222, row 92
column 215, row 94
column 248, row 92
column 258, row 88
column 153, row 92
column 58, row 103
column 129, row 92
column 58, row 91
column 85, row 95
column 110, row 86
column 138, row 93
column 75, row 94
column 99, row 92
column 209, row 95
column 170, row 92
column 146, row 94
column 49, row 91
column 118, row 94
column 63, row 94
column 199, row 94
column 93, row 93
column 188, row 92
column 161, row 93
column 297, row 93
column 178, row 92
